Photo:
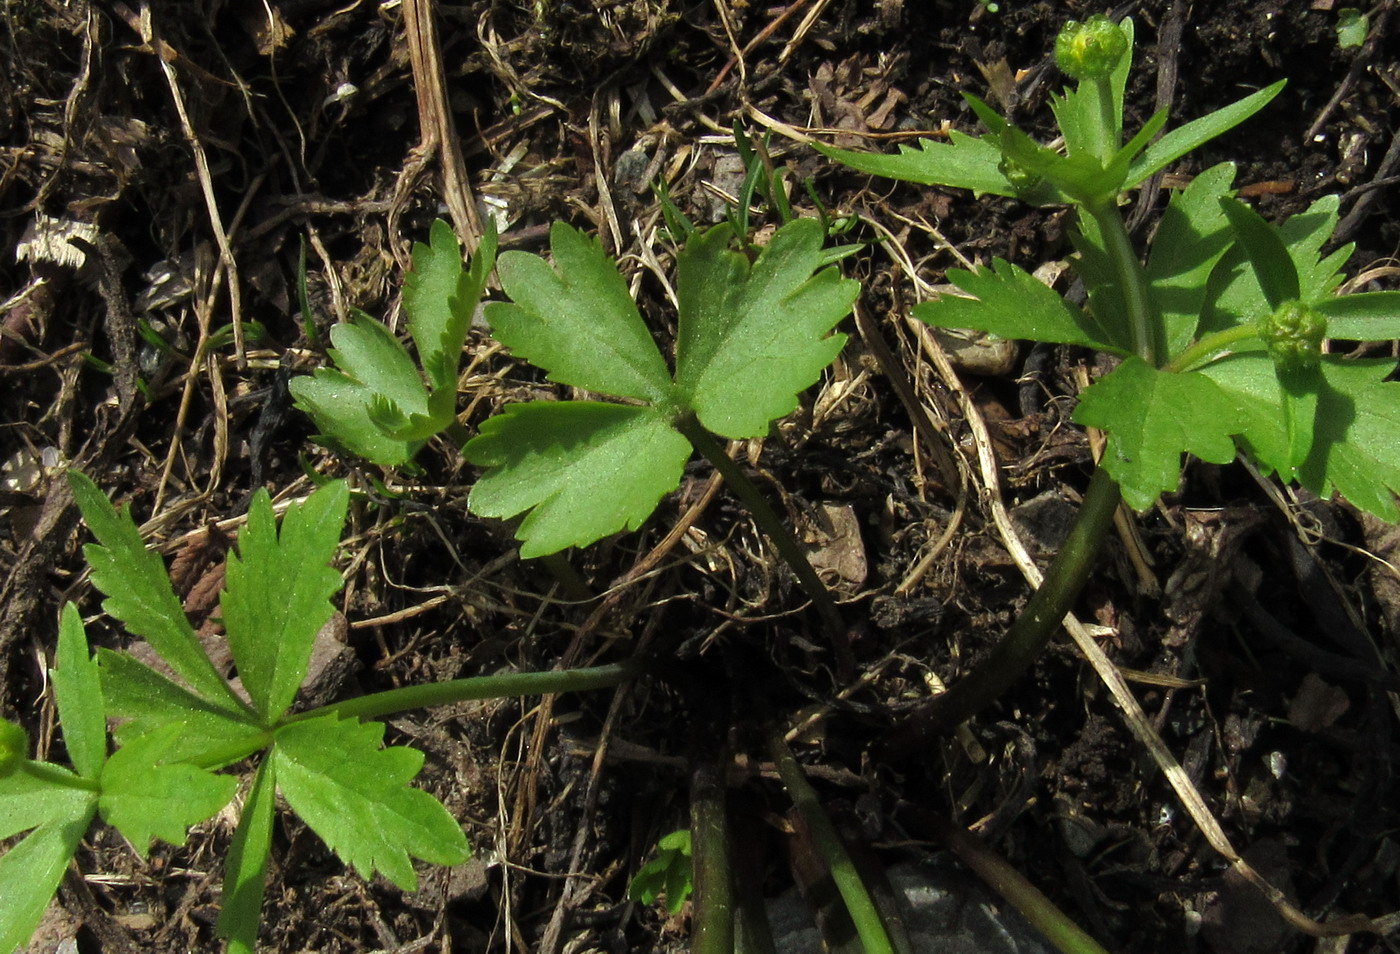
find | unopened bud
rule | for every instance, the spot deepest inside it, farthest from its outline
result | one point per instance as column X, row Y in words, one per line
column 1090, row 50
column 1294, row 334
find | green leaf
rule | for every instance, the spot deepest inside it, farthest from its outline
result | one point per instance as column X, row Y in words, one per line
column 31, row 870
column 77, row 687
column 1183, row 139
column 374, row 370
column 278, row 593
column 961, row 163
column 1152, row 417
column 749, row 339
column 29, row 802
column 1368, row 316
column 438, row 314
column 1356, row 442
column 245, row 869
column 587, row 469
column 1233, row 294
column 1352, row 27
column 1010, row 302
column 1191, row 238
column 577, row 319
column 138, row 590
column 147, row 699
column 1268, row 256
column 670, row 873
column 145, row 798
column 356, row 796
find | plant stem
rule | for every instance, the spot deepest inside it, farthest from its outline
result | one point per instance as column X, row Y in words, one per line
column 391, row 701
column 1131, row 279
column 1012, row 885
column 1110, row 135
column 870, row 926
column 1033, row 628
column 713, row 931
column 769, row 522
column 1210, row 346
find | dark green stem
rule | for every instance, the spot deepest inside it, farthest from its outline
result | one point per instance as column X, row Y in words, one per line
column 713, row 931
column 1032, row 630
column 480, row 687
column 1011, row 885
column 1131, row 279
column 769, row 522
column 870, row 926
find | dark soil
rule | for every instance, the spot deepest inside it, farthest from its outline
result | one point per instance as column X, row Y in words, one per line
column 1261, row 641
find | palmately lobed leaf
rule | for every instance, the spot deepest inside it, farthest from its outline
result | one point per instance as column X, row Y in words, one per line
column 587, row 469
column 741, row 365
column 1152, row 417
column 278, row 590
column 355, row 795
column 576, row 319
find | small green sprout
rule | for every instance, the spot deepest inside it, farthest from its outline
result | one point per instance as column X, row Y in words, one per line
column 670, row 873
column 1352, row 27
column 1090, row 50
column 375, row 402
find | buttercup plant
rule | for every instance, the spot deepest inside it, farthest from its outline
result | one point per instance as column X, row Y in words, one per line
column 175, row 734
column 1220, row 327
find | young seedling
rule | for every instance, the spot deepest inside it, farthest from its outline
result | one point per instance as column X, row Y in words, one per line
column 1221, row 329
column 375, row 403
column 175, row 733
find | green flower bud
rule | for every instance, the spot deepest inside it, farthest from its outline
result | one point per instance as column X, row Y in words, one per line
column 14, row 748
column 1293, row 334
column 1021, row 178
column 1090, row 50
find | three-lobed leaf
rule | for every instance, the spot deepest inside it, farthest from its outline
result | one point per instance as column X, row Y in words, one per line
column 1152, row 418
column 278, row 590
column 583, row 469
column 355, row 795
column 750, row 337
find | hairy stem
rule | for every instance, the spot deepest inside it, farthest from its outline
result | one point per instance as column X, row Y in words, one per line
column 1131, row 279
column 770, row 523
column 391, row 701
column 1032, row 629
